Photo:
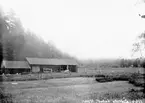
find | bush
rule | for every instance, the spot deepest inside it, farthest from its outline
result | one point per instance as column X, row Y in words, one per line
column 137, row 80
column 5, row 97
column 122, row 77
column 103, row 78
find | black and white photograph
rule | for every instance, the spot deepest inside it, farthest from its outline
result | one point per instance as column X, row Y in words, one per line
column 72, row 51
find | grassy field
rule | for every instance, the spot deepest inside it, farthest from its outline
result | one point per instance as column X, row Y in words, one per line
column 60, row 88
column 110, row 70
column 82, row 72
column 66, row 90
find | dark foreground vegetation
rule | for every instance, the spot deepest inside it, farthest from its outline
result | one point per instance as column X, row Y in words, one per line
column 136, row 79
column 5, row 97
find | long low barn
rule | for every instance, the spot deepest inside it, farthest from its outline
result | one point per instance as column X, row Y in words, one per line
column 55, row 65
column 13, row 67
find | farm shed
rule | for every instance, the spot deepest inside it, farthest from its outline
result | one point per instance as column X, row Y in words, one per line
column 54, row 65
column 14, row 67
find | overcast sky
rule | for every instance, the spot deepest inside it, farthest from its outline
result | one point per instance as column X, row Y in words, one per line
column 86, row 29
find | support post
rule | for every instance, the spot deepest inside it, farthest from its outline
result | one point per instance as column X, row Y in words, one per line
column 67, row 67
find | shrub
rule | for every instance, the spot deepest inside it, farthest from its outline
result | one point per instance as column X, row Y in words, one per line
column 5, row 97
column 137, row 80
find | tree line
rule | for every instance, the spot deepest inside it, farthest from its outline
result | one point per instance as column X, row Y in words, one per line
column 16, row 43
column 116, row 63
column 139, row 62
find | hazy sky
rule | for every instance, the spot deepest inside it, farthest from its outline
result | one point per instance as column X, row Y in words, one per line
column 87, row 29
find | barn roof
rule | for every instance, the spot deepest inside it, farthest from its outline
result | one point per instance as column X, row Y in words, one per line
column 52, row 61
column 15, row 64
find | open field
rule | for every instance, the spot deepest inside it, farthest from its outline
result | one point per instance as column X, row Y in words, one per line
column 82, row 72
column 65, row 90
column 60, row 88
column 110, row 70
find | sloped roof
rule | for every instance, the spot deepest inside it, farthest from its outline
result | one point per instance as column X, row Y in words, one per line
column 16, row 64
column 48, row 61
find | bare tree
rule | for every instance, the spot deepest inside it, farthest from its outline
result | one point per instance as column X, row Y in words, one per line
column 142, row 15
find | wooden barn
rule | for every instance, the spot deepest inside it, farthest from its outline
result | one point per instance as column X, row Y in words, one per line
column 51, row 65
column 13, row 67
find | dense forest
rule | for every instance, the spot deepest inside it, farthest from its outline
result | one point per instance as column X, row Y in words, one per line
column 18, row 43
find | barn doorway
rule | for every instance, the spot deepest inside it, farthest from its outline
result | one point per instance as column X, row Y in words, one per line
column 63, row 67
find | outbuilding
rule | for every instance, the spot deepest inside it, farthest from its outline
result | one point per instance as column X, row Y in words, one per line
column 13, row 67
column 51, row 64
